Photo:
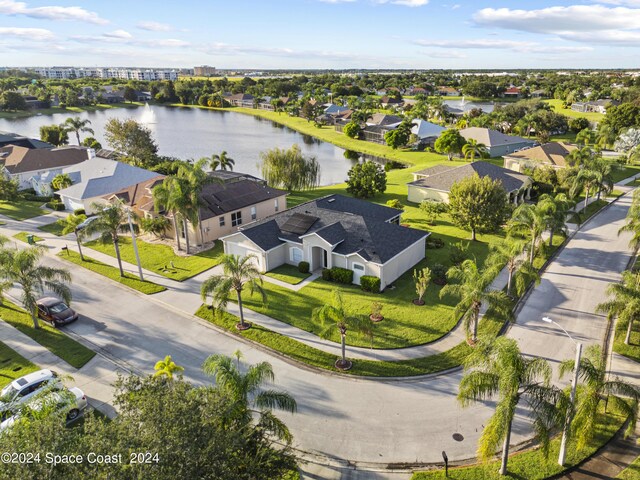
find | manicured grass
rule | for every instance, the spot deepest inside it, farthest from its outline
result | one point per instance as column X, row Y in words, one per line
column 568, row 137
column 54, row 228
column 113, row 273
column 632, row 350
column 21, row 209
column 159, row 258
column 556, row 105
column 615, row 194
column 632, row 472
column 72, row 352
column 592, row 209
column 288, row 273
column 624, row 172
column 22, row 236
column 13, row 365
column 532, row 465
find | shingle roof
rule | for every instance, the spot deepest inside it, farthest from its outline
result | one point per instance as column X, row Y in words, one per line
column 357, row 225
column 424, row 129
column 491, row 138
column 21, row 159
column 139, row 195
column 444, row 179
column 552, row 153
column 382, row 119
column 9, row 138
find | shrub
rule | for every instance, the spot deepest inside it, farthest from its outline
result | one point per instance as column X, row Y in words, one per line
column 434, row 242
column 303, row 267
column 32, row 197
column 370, row 283
column 79, row 211
column 395, row 203
column 439, row 274
column 326, row 274
column 54, row 205
column 342, row 275
column 433, row 210
column 458, row 252
column 393, row 165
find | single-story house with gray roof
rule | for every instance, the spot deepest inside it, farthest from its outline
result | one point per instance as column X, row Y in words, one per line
column 498, row 144
column 435, row 183
column 333, row 231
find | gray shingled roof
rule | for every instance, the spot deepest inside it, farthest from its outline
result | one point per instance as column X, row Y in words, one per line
column 360, row 227
column 492, row 138
column 444, row 179
column 9, row 138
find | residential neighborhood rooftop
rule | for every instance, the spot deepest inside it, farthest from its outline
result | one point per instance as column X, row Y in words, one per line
column 552, row 153
column 490, row 138
column 17, row 159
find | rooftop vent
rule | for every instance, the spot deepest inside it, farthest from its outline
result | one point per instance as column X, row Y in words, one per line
column 331, row 200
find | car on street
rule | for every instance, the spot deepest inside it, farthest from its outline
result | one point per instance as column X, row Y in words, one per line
column 55, row 311
column 26, row 387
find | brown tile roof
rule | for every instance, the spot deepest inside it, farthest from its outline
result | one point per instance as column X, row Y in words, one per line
column 552, row 153
column 139, row 196
column 21, row 159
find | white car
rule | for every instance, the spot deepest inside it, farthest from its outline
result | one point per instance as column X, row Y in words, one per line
column 24, row 388
column 73, row 401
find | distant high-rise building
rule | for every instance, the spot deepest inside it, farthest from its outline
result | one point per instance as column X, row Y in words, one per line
column 205, row 71
column 110, row 72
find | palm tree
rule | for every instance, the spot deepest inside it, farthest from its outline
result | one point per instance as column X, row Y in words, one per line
column 498, row 369
column 166, row 368
column 77, row 125
column 110, row 220
column 70, row 224
column 596, row 387
column 509, row 253
column 60, row 181
column 606, row 135
column 23, row 267
column 604, row 178
column 222, row 162
column 238, row 272
column 245, row 390
column 336, row 316
column 586, row 179
column 170, row 196
column 531, row 220
column 633, row 221
column 473, row 148
column 472, row 291
column 557, row 209
column 624, row 301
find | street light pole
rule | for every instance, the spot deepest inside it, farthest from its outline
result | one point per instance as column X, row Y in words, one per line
column 135, row 244
column 572, row 398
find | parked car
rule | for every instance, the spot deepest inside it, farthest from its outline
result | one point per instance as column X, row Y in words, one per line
column 71, row 401
column 24, row 388
column 55, row 312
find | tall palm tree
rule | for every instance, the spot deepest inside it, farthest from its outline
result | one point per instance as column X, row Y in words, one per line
column 624, row 301
column 598, row 386
column 24, row 268
column 245, row 390
column 585, row 180
column 77, row 125
column 509, row 253
column 498, row 369
column 171, row 196
column 166, row 368
column 238, row 273
column 472, row 291
column 604, row 177
column 110, row 220
column 558, row 210
column 530, row 220
column 633, row 221
column 606, row 135
column 222, row 161
column 473, row 148
column 196, row 179
column 335, row 315
column 70, row 224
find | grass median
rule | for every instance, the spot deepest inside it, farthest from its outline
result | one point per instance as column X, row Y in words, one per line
column 113, row 273
column 54, row 228
column 54, row 340
column 21, row 209
column 13, row 365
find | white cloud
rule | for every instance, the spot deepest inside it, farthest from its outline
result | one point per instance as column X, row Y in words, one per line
column 337, row 1
column 516, row 46
column 125, row 38
column 118, row 34
column 582, row 23
column 447, row 54
column 154, row 26
column 11, row 7
column 36, row 34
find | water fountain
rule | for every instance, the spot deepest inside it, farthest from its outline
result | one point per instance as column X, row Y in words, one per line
column 148, row 116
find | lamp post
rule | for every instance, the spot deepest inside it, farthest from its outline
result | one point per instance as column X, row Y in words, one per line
column 135, row 244
column 574, row 384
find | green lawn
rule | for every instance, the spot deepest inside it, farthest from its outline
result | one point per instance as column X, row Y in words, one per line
column 22, row 236
column 21, row 209
column 113, row 273
column 531, row 464
column 632, row 472
column 625, row 172
column 556, row 105
column 288, row 273
column 592, row 209
column 72, row 352
column 54, row 228
column 161, row 259
column 632, row 350
column 13, row 365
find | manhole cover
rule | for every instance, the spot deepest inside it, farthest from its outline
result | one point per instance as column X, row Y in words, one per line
column 458, row 437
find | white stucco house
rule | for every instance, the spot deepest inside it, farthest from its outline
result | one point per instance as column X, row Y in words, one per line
column 333, row 231
column 498, row 144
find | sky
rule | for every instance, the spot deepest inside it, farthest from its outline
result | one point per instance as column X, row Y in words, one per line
column 333, row 34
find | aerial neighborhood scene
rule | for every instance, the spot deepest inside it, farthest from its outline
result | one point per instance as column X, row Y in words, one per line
column 319, row 239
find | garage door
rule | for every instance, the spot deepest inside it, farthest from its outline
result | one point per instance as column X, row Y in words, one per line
column 241, row 251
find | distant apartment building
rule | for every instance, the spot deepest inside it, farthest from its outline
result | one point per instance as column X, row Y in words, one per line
column 107, row 72
column 205, row 71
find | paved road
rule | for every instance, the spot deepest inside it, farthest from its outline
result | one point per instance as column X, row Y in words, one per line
column 409, row 420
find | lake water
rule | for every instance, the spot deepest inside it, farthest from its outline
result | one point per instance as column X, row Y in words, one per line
column 192, row 133
column 466, row 105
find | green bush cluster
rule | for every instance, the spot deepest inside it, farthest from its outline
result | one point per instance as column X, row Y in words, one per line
column 303, row 267
column 338, row 275
column 55, row 205
column 32, row 197
column 370, row 283
column 79, row 211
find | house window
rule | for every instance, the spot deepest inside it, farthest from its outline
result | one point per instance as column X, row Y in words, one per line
column 253, row 213
column 222, row 221
column 275, row 204
column 236, row 219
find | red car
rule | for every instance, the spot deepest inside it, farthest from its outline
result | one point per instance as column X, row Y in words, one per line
column 55, row 312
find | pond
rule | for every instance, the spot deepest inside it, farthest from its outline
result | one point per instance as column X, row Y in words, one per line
column 192, row 133
column 466, row 105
